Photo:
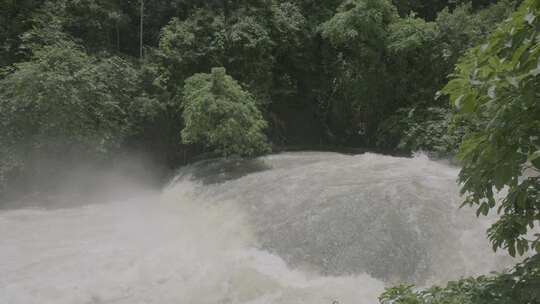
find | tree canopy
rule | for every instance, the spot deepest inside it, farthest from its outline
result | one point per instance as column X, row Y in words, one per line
column 218, row 113
column 497, row 84
column 64, row 100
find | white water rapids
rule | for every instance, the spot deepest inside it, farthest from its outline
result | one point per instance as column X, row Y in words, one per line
column 289, row 228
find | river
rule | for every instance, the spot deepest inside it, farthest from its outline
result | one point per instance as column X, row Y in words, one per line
column 302, row 227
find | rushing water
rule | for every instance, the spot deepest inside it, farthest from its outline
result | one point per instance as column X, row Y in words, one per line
column 288, row 228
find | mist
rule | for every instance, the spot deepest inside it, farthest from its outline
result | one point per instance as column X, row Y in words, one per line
column 50, row 181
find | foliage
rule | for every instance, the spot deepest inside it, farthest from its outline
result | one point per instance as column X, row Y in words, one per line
column 464, row 27
column 13, row 22
column 47, row 28
column 289, row 24
column 519, row 285
column 411, row 34
column 199, row 40
column 355, row 97
column 330, row 72
column 433, row 130
column 424, row 53
column 359, row 21
column 218, row 113
column 98, row 25
column 497, row 83
column 63, row 101
column 244, row 40
column 416, row 69
column 427, row 9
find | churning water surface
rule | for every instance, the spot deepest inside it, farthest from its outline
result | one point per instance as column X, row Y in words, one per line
column 304, row 227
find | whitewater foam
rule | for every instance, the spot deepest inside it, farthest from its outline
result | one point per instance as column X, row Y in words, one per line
column 289, row 228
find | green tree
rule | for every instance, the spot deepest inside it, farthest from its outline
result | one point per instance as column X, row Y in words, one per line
column 411, row 34
column 498, row 84
column 219, row 114
column 193, row 45
column 356, row 95
column 358, row 23
column 415, row 67
column 63, row 102
column 14, row 21
column 464, row 27
column 330, row 72
column 424, row 53
column 245, row 39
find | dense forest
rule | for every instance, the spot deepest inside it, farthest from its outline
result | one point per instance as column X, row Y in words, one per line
column 92, row 77
column 179, row 78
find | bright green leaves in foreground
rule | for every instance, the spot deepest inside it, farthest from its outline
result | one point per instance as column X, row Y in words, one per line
column 519, row 285
column 218, row 113
column 498, row 83
column 496, row 86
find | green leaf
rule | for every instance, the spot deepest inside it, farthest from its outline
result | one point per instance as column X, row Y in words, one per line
column 534, row 159
column 512, row 250
column 530, row 17
column 468, row 103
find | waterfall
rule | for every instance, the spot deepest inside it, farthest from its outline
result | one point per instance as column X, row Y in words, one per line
column 304, row 227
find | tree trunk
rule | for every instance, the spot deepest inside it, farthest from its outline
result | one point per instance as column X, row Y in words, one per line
column 117, row 38
column 141, row 34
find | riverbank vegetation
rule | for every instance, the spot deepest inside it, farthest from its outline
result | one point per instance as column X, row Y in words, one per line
column 495, row 85
column 97, row 77
column 178, row 78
